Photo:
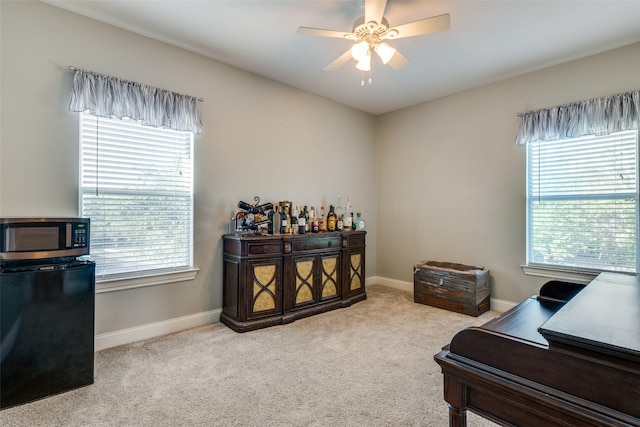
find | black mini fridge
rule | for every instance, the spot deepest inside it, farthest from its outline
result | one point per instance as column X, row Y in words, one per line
column 47, row 311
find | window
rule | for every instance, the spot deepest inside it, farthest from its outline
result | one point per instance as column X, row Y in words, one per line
column 136, row 185
column 582, row 203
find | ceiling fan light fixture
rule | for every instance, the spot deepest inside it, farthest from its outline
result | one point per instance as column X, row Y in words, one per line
column 360, row 50
column 365, row 63
column 370, row 32
column 385, row 52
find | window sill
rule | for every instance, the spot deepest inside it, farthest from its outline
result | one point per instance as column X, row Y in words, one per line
column 581, row 276
column 113, row 285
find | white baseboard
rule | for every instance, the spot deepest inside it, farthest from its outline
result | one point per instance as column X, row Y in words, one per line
column 152, row 330
column 392, row 283
column 169, row 326
column 496, row 304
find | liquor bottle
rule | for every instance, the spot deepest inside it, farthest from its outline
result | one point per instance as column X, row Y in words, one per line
column 277, row 221
column 339, row 212
column 294, row 221
column 314, row 220
column 322, row 220
column 332, row 219
column 312, row 216
column 348, row 215
column 354, row 225
column 302, row 221
column 339, row 215
column 359, row 222
column 348, row 222
column 284, row 229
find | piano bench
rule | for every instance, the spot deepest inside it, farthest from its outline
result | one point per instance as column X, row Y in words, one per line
column 451, row 286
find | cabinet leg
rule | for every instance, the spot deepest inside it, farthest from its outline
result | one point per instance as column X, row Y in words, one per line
column 457, row 417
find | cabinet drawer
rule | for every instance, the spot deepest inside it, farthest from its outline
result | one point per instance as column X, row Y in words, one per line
column 355, row 240
column 264, row 248
column 316, row 243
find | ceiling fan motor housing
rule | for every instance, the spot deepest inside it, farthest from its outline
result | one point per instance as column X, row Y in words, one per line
column 371, row 32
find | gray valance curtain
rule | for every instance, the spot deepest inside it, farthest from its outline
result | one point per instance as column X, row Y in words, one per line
column 599, row 116
column 107, row 96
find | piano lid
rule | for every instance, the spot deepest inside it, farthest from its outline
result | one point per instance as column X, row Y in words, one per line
column 604, row 317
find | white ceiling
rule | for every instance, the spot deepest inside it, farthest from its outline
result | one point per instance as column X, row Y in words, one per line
column 488, row 40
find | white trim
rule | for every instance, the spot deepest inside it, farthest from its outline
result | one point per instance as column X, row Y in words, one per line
column 393, row 283
column 559, row 273
column 156, row 329
column 152, row 330
column 496, row 304
column 112, row 285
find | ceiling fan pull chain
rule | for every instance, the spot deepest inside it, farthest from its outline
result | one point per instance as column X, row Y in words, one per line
column 370, row 80
column 362, row 78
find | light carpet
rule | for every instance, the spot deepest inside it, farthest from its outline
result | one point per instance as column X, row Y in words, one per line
column 370, row 364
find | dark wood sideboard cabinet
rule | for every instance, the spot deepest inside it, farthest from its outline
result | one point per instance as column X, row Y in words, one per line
column 273, row 280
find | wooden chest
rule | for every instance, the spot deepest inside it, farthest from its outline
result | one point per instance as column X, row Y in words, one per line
column 456, row 287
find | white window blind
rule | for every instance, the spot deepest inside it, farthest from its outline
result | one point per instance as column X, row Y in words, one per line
column 137, row 188
column 582, row 200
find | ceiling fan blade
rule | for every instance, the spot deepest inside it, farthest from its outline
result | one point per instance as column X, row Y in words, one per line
column 424, row 26
column 307, row 31
column 340, row 61
column 374, row 10
column 398, row 61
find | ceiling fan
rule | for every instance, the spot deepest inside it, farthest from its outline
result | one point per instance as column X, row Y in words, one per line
column 370, row 32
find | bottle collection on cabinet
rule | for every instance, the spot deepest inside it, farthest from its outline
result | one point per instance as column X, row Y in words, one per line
column 286, row 218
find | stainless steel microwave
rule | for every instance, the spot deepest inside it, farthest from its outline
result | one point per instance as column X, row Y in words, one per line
column 40, row 238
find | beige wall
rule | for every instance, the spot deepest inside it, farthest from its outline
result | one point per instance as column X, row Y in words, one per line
column 260, row 138
column 460, row 193
column 441, row 181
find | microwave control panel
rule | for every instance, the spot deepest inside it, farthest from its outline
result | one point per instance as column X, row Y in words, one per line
column 79, row 234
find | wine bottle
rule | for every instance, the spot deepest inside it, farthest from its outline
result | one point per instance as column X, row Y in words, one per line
column 277, row 221
column 255, row 209
column 354, row 225
column 284, row 229
column 244, row 205
column 332, row 219
column 270, row 226
column 293, row 223
column 302, row 221
column 322, row 220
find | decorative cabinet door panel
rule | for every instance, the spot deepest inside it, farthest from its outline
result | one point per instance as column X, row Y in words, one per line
column 304, row 269
column 265, row 287
column 330, row 276
column 316, row 278
column 354, row 269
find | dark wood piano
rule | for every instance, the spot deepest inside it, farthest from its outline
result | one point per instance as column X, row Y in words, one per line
column 567, row 357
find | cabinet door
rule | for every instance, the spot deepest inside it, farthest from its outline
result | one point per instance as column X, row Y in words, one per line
column 354, row 269
column 329, row 276
column 264, row 287
column 316, row 278
column 304, row 283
